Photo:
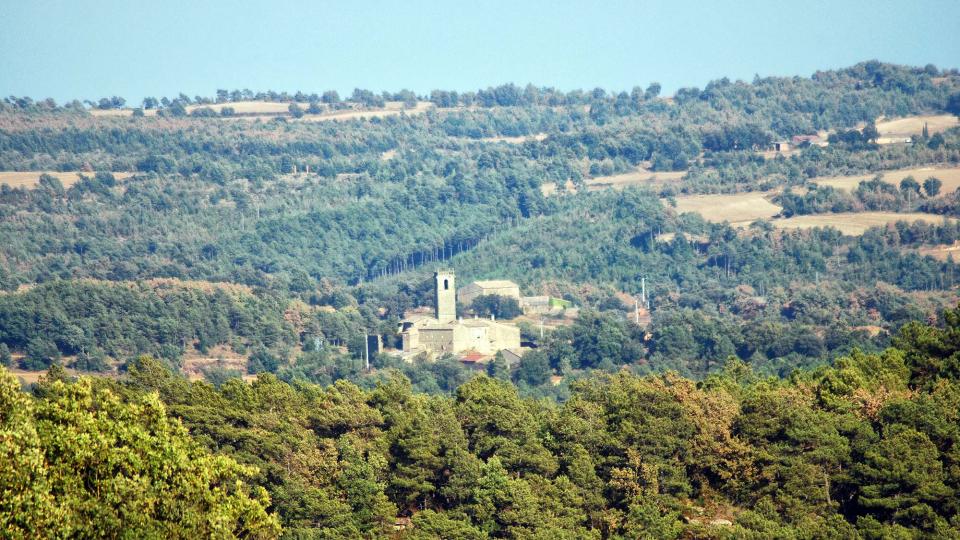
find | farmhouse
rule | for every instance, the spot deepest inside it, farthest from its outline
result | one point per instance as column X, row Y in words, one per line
column 500, row 287
column 445, row 333
column 781, row 146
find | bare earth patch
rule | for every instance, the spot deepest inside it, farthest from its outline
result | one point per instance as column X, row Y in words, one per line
column 950, row 176
column 855, row 223
column 739, row 209
column 30, row 179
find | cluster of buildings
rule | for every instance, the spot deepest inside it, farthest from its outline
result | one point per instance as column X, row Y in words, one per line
column 472, row 339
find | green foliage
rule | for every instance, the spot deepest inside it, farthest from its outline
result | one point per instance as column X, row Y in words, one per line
column 6, row 359
column 866, row 448
column 81, row 462
column 501, row 307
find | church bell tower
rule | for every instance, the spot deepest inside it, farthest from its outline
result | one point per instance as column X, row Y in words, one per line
column 446, row 296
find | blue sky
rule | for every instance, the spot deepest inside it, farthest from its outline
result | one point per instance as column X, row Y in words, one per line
column 133, row 48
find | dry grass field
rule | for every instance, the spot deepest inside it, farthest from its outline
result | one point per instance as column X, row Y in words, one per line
column 941, row 252
column 250, row 107
column 950, row 176
column 392, row 108
column 266, row 110
column 550, row 188
column 854, row 223
column 120, row 112
column 30, row 179
column 739, row 209
column 913, row 125
column 640, row 177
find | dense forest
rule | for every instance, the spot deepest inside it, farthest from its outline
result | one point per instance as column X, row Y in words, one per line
column 866, row 448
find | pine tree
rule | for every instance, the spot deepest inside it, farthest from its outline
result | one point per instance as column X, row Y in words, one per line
column 5, row 358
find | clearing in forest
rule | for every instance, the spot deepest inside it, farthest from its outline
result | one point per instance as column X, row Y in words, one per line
column 855, row 223
column 913, row 125
column 950, row 176
column 550, row 188
column 267, row 110
column 639, row 177
column 250, row 107
column 120, row 112
column 942, row 251
column 30, row 179
column 739, row 209
column 512, row 140
column 392, row 108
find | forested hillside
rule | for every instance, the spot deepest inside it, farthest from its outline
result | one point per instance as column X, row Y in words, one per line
column 866, row 448
column 226, row 242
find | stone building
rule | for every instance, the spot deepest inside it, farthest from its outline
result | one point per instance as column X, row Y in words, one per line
column 445, row 333
column 500, row 287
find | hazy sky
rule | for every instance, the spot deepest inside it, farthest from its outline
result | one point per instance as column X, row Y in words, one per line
column 89, row 49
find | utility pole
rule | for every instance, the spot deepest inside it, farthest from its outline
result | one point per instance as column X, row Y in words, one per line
column 366, row 348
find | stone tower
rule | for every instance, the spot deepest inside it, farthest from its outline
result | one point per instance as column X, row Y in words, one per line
column 446, row 296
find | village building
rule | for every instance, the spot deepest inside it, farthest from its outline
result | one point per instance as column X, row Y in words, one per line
column 446, row 333
column 500, row 287
column 781, row 146
column 531, row 305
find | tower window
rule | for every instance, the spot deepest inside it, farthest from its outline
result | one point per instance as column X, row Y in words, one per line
column 446, row 284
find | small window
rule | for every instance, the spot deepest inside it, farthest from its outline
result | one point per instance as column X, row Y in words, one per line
column 446, row 285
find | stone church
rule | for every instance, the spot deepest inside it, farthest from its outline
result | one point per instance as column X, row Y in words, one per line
column 445, row 333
